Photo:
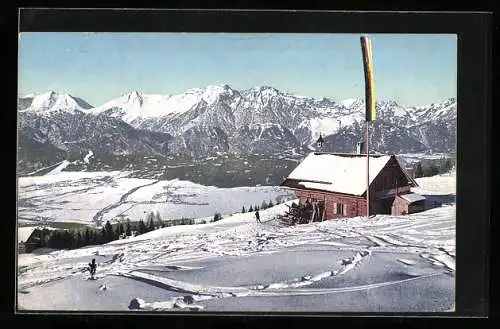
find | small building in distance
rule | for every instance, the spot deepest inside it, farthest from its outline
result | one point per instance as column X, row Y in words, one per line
column 337, row 182
column 30, row 238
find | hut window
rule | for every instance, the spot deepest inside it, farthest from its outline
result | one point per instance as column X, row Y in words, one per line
column 340, row 208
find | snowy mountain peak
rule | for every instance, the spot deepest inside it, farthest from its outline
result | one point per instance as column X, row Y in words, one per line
column 135, row 96
column 388, row 103
column 28, row 95
column 349, row 102
column 52, row 101
column 264, row 89
column 212, row 92
column 219, row 87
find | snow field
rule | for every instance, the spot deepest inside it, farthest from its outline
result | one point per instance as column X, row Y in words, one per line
column 384, row 263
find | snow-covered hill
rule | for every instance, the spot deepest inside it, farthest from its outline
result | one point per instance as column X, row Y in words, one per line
column 95, row 197
column 382, row 264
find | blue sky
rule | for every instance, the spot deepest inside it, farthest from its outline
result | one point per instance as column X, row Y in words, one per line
column 410, row 69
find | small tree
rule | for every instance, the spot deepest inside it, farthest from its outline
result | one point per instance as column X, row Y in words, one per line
column 433, row 170
column 263, row 205
column 142, row 227
column 60, row 240
column 118, row 232
column 419, row 171
column 79, row 240
column 270, row 204
column 109, row 234
column 52, row 239
column 217, row 217
column 133, row 230
column 50, row 243
column 447, row 165
column 151, row 225
column 243, row 210
column 102, row 237
column 94, row 237
column 68, row 240
column 128, row 229
column 250, row 209
column 87, row 237
column 159, row 222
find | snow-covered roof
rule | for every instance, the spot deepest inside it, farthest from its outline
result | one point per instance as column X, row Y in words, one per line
column 337, row 173
column 412, row 197
column 23, row 233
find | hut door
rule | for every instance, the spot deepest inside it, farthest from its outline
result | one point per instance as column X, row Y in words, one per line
column 386, row 206
column 321, row 210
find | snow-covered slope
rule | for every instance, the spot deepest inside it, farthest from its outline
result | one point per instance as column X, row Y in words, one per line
column 382, row 264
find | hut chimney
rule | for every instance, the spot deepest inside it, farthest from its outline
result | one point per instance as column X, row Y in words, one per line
column 320, row 142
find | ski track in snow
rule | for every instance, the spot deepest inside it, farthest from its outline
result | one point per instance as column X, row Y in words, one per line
column 179, row 302
column 99, row 215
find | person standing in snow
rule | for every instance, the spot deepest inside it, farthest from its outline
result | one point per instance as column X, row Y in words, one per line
column 92, row 268
column 257, row 216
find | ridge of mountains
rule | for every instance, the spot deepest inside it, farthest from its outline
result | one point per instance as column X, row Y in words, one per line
column 219, row 120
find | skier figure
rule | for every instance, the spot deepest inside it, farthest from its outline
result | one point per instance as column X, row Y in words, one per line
column 257, row 216
column 92, row 268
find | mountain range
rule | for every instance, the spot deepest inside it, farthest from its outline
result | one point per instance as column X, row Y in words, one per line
column 218, row 119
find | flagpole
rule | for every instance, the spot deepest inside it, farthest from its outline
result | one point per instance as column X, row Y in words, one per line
column 367, row 173
column 369, row 108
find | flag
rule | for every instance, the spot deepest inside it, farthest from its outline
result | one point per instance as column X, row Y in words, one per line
column 366, row 48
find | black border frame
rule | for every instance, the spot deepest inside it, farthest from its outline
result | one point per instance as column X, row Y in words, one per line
column 474, row 31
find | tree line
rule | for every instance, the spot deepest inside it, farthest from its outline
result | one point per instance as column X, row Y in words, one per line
column 263, row 206
column 77, row 238
column 432, row 168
